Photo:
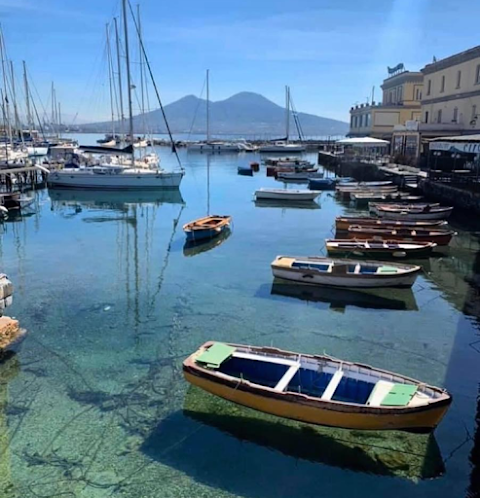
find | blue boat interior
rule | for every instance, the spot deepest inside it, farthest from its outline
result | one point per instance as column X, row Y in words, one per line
column 305, row 381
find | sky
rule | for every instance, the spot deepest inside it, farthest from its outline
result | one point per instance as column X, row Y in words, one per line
column 330, row 52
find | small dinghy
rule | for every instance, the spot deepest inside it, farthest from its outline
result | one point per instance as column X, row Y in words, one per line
column 362, row 199
column 206, row 228
column 440, row 237
column 300, row 176
column 412, row 212
column 344, row 272
column 379, row 248
column 243, row 171
column 316, row 389
column 286, row 195
column 342, row 223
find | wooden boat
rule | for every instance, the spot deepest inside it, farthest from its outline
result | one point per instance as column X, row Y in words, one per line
column 241, row 170
column 207, row 227
column 363, row 198
column 378, row 248
column 195, row 247
column 286, row 195
column 302, row 175
column 413, row 212
column 344, row 272
column 343, row 222
column 346, row 192
column 316, row 389
column 363, row 184
column 440, row 237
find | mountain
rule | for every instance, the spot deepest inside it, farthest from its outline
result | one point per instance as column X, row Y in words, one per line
column 245, row 113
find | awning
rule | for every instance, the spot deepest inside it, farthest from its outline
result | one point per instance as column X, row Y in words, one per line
column 468, row 144
column 364, row 142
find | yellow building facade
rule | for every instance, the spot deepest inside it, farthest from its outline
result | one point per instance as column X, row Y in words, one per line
column 451, row 97
column 401, row 102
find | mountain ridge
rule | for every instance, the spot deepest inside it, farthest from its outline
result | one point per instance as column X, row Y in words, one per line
column 246, row 113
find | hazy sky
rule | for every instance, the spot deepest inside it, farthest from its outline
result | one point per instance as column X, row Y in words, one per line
column 331, row 52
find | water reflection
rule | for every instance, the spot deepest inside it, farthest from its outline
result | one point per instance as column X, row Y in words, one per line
column 9, row 369
column 280, row 442
column 114, row 199
column 340, row 299
column 192, row 248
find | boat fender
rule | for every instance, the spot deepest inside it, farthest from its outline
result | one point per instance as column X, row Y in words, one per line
column 399, row 254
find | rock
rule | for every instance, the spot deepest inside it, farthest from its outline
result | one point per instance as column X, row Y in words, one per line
column 9, row 331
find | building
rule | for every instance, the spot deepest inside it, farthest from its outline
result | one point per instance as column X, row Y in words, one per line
column 451, row 97
column 401, row 102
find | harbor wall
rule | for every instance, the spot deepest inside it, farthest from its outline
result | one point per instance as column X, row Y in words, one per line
column 446, row 194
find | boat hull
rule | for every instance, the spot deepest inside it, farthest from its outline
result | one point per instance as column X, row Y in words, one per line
column 439, row 239
column 286, row 195
column 127, row 181
column 323, row 413
column 206, row 234
column 344, row 223
column 345, row 281
column 412, row 216
column 361, row 249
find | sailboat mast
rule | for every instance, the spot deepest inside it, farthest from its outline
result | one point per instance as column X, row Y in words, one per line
column 15, row 108
column 5, row 87
column 287, row 111
column 109, row 61
column 129, row 82
column 59, row 116
column 208, row 105
column 140, row 52
column 119, row 68
column 27, row 97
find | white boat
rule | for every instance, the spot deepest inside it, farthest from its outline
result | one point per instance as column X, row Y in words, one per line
column 114, row 177
column 286, row 195
column 118, row 176
column 214, row 147
column 344, row 272
column 284, row 146
column 281, row 147
column 413, row 213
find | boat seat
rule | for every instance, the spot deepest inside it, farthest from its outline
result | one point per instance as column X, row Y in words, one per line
column 332, row 385
column 381, row 389
column 288, row 376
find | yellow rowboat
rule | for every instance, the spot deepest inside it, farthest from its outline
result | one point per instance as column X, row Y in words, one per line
column 316, row 389
column 206, row 228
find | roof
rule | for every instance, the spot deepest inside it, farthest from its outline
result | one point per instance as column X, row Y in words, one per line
column 453, row 60
column 364, row 142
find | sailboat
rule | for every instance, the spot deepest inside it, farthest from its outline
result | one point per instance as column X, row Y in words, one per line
column 209, row 145
column 284, row 146
column 115, row 174
column 210, row 226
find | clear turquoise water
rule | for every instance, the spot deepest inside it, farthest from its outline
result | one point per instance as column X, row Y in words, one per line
column 95, row 404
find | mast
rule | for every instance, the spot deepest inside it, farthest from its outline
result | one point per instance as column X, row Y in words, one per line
column 110, row 70
column 5, row 87
column 287, row 111
column 27, row 94
column 208, row 105
column 140, row 52
column 4, row 123
column 15, row 108
column 59, row 117
column 119, row 68
column 52, row 119
column 129, row 82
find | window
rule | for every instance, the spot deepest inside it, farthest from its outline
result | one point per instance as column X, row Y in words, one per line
column 455, row 114
column 426, row 117
column 352, row 121
column 367, row 120
column 439, row 116
column 477, row 76
column 474, row 112
column 400, row 94
column 429, row 87
column 459, row 78
column 442, row 86
column 361, row 121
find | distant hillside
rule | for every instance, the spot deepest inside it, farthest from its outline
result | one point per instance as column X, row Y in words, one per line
column 244, row 113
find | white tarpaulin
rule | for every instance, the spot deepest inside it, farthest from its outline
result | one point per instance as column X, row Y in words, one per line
column 364, row 142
